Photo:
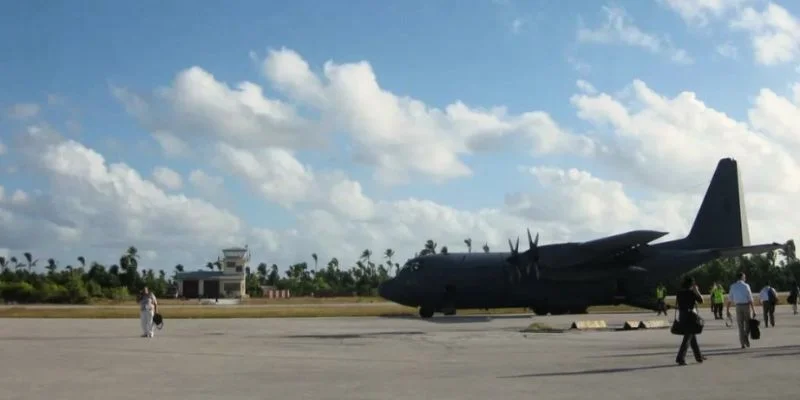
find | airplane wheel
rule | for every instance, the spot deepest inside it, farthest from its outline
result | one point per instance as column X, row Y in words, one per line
column 425, row 312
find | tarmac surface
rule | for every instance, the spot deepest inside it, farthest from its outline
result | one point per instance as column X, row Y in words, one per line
column 468, row 357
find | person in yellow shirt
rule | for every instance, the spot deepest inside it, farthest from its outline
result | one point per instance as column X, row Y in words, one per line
column 661, row 297
column 717, row 300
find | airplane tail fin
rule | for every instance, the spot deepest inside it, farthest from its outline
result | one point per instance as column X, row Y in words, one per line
column 721, row 221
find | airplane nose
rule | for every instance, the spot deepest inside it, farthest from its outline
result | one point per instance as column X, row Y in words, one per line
column 384, row 290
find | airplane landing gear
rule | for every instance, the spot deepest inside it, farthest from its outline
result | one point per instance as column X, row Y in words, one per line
column 425, row 312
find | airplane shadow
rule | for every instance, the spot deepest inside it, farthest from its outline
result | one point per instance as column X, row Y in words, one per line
column 458, row 319
column 592, row 371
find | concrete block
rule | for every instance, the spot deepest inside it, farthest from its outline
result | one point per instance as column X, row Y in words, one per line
column 582, row 325
column 631, row 325
column 654, row 324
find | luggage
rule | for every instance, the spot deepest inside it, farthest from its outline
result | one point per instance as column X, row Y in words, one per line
column 755, row 332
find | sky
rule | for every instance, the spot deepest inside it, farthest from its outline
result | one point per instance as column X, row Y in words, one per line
column 300, row 127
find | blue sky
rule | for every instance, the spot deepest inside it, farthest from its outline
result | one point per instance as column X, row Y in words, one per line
column 520, row 55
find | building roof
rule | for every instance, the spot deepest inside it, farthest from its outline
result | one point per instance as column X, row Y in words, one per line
column 191, row 275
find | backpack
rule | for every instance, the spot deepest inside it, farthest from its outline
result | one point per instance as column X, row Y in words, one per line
column 772, row 297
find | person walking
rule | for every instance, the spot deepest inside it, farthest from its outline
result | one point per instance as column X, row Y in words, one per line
column 769, row 298
column 661, row 297
column 148, row 306
column 686, row 301
column 794, row 290
column 717, row 300
column 742, row 298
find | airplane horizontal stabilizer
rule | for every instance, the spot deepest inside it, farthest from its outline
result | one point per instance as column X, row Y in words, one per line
column 755, row 249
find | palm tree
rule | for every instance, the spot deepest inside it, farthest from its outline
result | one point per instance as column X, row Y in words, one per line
column 3, row 263
column 388, row 254
column 468, row 242
column 430, row 248
column 316, row 259
column 82, row 261
column 51, row 266
column 443, row 250
column 486, row 247
column 31, row 261
column 179, row 268
column 365, row 255
column 129, row 260
column 210, row 265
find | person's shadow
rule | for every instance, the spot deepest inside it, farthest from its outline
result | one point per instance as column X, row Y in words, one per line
column 593, row 371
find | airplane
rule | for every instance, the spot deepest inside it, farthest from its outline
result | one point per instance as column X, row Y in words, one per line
column 570, row 277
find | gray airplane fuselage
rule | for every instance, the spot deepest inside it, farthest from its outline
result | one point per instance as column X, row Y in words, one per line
column 570, row 277
column 486, row 280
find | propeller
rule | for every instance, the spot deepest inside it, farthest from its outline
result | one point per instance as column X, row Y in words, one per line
column 533, row 246
column 530, row 258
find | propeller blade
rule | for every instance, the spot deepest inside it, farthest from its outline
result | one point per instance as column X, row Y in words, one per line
column 516, row 248
column 511, row 246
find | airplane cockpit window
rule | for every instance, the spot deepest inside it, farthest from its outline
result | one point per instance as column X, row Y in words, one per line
column 411, row 266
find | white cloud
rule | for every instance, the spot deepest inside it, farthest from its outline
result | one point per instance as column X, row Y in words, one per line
column 23, row 110
column 207, row 184
column 728, row 50
column 579, row 66
column 517, row 24
column 170, row 145
column 104, row 208
column 775, row 34
column 167, row 178
column 19, row 198
column 197, row 107
column 619, row 28
column 699, row 12
column 654, row 133
column 401, row 136
column 586, row 87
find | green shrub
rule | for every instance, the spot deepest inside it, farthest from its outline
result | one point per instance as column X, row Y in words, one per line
column 21, row 292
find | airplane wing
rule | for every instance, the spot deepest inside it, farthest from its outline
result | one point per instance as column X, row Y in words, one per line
column 621, row 241
column 598, row 251
column 755, row 249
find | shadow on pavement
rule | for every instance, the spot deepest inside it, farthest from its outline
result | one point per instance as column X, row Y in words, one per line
column 593, row 371
column 457, row 319
column 778, row 350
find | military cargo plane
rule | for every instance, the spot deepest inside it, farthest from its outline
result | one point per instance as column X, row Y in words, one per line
column 569, row 277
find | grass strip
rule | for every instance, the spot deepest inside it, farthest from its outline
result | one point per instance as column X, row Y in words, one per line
column 184, row 312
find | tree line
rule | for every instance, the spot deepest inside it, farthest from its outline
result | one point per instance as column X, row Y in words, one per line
column 84, row 281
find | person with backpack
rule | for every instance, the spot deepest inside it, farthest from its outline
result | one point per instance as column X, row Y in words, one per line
column 794, row 291
column 769, row 299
